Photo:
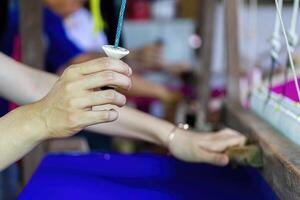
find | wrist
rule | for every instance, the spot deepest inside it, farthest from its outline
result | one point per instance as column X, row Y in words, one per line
column 177, row 129
column 166, row 132
column 159, row 129
column 37, row 125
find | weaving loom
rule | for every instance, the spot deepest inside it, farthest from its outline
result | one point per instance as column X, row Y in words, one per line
column 274, row 123
column 276, row 102
column 279, row 105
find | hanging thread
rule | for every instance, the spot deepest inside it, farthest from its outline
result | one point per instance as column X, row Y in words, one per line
column 120, row 23
column 293, row 37
column 275, row 38
column 293, row 41
column 279, row 13
column 275, row 48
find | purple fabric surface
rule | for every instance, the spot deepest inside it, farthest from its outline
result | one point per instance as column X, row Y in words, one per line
column 289, row 88
column 144, row 176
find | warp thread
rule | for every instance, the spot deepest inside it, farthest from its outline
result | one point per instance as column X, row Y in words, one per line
column 120, row 23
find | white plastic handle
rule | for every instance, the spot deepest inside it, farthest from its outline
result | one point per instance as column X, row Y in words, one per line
column 116, row 53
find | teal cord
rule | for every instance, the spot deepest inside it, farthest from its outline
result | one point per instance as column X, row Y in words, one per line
column 120, row 23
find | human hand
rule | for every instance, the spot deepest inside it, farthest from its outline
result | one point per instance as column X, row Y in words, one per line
column 168, row 96
column 177, row 69
column 150, row 56
column 68, row 108
column 207, row 148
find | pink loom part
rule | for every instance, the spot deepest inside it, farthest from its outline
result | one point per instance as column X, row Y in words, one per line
column 290, row 90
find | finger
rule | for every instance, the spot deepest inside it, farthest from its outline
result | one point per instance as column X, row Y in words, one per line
column 90, row 118
column 220, row 144
column 103, row 64
column 231, row 134
column 100, row 98
column 102, row 79
column 229, row 131
column 231, row 142
column 213, row 158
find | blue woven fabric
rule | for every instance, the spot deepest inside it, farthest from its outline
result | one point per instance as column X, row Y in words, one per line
column 144, row 176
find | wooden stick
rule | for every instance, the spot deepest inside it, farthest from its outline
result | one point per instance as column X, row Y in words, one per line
column 250, row 155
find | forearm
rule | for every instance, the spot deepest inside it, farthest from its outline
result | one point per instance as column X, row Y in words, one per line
column 21, row 131
column 137, row 125
column 22, row 84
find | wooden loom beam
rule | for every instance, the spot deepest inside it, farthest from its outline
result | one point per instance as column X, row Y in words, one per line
column 31, row 26
column 232, row 48
column 281, row 157
column 206, row 25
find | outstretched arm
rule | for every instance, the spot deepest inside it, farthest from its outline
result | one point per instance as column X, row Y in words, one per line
column 65, row 110
column 184, row 145
column 135, row 124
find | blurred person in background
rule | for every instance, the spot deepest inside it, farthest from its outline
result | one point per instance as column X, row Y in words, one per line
column 70, row 38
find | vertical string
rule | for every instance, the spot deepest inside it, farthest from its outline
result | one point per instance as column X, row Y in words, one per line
column 275, row 47
column 292, row 30
column 286, row 77
column 275, row 38
column 276, row 33
column 120, row 23
column 270, row 78
column 288, row 48
column 293, row 41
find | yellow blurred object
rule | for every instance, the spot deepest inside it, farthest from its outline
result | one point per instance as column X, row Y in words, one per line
column 99, row 23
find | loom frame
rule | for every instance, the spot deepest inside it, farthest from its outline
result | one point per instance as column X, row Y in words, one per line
column 281, row 156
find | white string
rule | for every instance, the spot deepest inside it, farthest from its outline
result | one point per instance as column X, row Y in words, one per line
column 295, row 16
column 277, row 22
column 293, row 37
column 275, row 38
column 288, row 48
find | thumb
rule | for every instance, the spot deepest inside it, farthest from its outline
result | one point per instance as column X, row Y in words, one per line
column 213, row 158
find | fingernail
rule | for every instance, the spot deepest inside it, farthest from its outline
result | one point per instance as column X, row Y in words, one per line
column 225, row 160
column 129, row 85
column 123, row 99
column 113, row 115
column 129, row 71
